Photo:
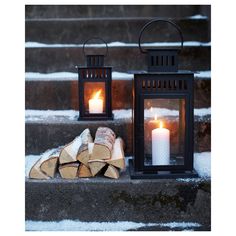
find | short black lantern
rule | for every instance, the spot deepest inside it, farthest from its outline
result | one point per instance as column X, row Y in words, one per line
column 95, row 81
column 163, row 116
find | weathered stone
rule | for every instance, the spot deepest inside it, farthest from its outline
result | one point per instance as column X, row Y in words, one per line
column 119, row 200
column 47, row 60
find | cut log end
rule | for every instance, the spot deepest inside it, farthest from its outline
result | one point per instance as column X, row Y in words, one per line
column 49, row 167
column 69, row 171
column 96, row 166
column 112, row 172
column 84, row 171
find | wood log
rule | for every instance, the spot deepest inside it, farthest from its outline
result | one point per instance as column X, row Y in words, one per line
column 103, row 144
column 48, row 165
column 84, row 171
column 117, row 157
column 69, row 152
column 112, row 172
column 69, row 170
column 35, row 171
column 96, row 166
column 84, row 153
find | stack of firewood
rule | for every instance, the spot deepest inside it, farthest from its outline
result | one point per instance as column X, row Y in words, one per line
column 83, row 157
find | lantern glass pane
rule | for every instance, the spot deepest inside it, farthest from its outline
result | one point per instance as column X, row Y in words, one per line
column 164, row 131
column 94, row 97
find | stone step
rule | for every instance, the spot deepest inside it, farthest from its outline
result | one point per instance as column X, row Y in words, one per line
column 45, row 130
column 74, row 11
column 53, row 59
column 63, row 94
column 147, row 201
column 125, row 29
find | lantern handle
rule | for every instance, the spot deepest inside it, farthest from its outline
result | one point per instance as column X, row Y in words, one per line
column 159, row 20
column 98, row 39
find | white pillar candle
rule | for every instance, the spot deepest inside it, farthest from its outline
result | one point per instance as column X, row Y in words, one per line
column 160, row 146
column 96, row 104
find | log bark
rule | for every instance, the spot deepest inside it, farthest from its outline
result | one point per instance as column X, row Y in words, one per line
column 84, row 153
column 112, row 172
column 103, row 144
column 84, row 171
column 117, row 157
column 49, row 159
column 69, row 170
column 69, row 152
column 96, row 166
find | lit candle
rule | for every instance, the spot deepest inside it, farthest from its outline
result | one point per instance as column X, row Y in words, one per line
column 96, row 103
column 160, row 146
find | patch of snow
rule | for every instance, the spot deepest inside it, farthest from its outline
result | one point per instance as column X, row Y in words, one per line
column 117, row 44
column 75, row 225
column 30, row 160
column 202, row 164
column 69, row 76
column 202, row 111
column 202, row 74
column 197, row 17
column 38, row 115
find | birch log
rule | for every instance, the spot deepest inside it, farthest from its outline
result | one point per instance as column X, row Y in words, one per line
column 69, row 170
column 103, row 144
column 70, row 151
column 96, row 166
column 84, row 153
column 84, row 171
column 117, row 157
column 112, row 172
column 35, row 171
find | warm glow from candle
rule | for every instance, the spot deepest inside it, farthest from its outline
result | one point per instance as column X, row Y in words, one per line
column 161, row 124
column 96, row 103
column 97, row 94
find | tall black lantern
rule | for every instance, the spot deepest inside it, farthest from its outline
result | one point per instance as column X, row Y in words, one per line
column 163, row 116
column 95, row 81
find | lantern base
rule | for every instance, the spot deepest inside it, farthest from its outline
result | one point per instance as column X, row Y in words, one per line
column 91, row 118
column 160, row 174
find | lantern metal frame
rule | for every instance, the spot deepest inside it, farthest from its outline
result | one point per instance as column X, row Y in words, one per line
column 166, row 82
column 95, row 72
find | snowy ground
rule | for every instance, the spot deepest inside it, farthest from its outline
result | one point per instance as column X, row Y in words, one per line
column 69, row 76
column 70, row 225
column 118, row 44
column 72, row 115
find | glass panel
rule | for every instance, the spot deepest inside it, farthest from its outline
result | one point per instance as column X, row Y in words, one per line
column 164, row 131
column 94, row 97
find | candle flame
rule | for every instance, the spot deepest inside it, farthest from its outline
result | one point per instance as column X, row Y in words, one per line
column 161, row 124
column 151, row 109
column 97, row 94
column 155, row 117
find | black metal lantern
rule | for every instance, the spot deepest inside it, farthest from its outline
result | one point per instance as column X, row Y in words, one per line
column 95, row 81
column 163, row 116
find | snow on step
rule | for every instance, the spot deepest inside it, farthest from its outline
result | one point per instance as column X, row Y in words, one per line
column 73, row 225
column 69, row 76
column 72, row 115
column 117, row 44
column 202, row 163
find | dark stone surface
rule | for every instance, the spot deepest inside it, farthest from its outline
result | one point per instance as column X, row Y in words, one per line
column 46, row 60
column 74, row 11
column 119, row 200
column 64, row 94
column 43, row 135
column 120, row 29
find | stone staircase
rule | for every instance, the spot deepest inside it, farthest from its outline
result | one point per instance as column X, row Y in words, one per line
column 54, row 39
